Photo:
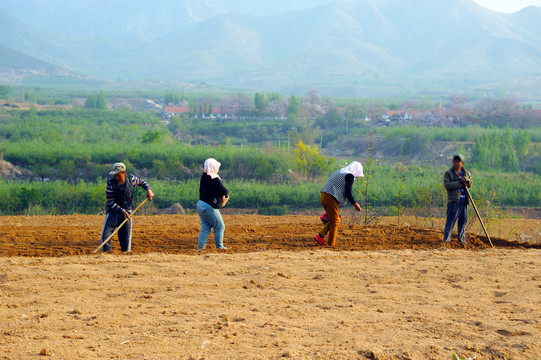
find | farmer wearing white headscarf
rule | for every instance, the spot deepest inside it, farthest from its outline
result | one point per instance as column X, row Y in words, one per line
column 212, row 166
column 337, row 191
column 212, row 194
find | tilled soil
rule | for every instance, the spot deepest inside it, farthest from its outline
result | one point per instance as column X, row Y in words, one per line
column 388, row 304
column 404, row 296
column 45, row 236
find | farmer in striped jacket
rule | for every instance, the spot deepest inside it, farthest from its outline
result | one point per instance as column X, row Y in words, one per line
column 337, row 192
column 119, row 194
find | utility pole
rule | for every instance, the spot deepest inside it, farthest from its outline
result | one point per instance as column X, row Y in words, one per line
column 288, row 141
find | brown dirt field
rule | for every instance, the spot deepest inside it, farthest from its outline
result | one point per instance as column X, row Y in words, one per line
column 386, row 292
column 175, row 234
column 387, row 304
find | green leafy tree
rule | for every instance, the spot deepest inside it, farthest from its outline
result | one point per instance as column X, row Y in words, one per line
column 168, row 98
column 101, row 103
column 522, row 143
column 486, row 151
column 97, row 102
column 414, row 145
column 355, row 111
column 151, row 137
column 191, row 105
column 274, row 96
column 67, row 168
column 509, row 158
column 30, row 97
column 177, row 123
column 29, row 196
column 5, row 90
column 333, row 118
column 494, row 151
column 494, row 148
column 261, row 103
column 461, row 149
column 173, row 98
column 309, row 161
column 159, row 169
column 90, row 102
column 294, row 108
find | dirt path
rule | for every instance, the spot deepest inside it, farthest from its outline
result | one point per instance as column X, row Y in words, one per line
column 77, row 235
column 389, row 304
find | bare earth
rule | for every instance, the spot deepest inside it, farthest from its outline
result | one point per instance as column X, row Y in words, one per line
column 175, row 234
column 417, row 301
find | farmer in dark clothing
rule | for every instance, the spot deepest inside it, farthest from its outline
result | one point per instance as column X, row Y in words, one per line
column 455, row 180
column 212, row 196
column 338, row 191
column 119, row 194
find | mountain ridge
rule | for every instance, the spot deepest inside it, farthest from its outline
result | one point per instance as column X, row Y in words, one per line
column 354, row 43
column 16, row 65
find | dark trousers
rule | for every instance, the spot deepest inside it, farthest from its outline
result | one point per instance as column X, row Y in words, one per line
column 112, row 220
column 456, row 212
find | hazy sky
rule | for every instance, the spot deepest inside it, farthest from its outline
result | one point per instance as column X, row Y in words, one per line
column 508, row 6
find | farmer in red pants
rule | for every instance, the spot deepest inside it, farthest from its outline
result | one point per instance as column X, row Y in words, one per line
column 337, row 192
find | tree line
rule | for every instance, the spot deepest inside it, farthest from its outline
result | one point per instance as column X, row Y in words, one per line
column 504, row 151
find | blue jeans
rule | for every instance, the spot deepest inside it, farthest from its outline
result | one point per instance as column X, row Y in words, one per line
column 112, row 220
column 210, row 219
column 456, row 211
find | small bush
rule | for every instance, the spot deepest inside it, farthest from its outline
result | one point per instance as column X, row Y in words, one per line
column 275, row 210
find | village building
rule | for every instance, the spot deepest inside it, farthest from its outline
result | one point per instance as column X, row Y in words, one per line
column 396, row 116
column 169, row 111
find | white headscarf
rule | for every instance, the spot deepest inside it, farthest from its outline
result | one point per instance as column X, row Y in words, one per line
column 355, row 168
column 212, row 166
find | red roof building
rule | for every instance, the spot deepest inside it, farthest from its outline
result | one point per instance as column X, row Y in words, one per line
column 176, row 110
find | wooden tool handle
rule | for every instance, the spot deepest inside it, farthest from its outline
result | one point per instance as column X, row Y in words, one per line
column 478, row 215
column 118, row 228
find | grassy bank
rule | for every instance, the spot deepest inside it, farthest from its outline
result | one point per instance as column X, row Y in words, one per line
column 388, row 187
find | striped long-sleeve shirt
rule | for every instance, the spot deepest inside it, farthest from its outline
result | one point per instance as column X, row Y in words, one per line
column 340, row 187
column 110, row 192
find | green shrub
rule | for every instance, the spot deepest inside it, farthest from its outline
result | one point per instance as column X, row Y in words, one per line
column 276, row 210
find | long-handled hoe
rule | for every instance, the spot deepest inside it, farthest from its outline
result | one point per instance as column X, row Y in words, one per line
column 118, row 228
column 478, row 215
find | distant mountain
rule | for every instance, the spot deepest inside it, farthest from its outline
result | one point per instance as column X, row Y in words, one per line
column 382, row 45
column 15, row 65
column 336, row 42
column 77, row 53
column 33, row 41
column 136, row 21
